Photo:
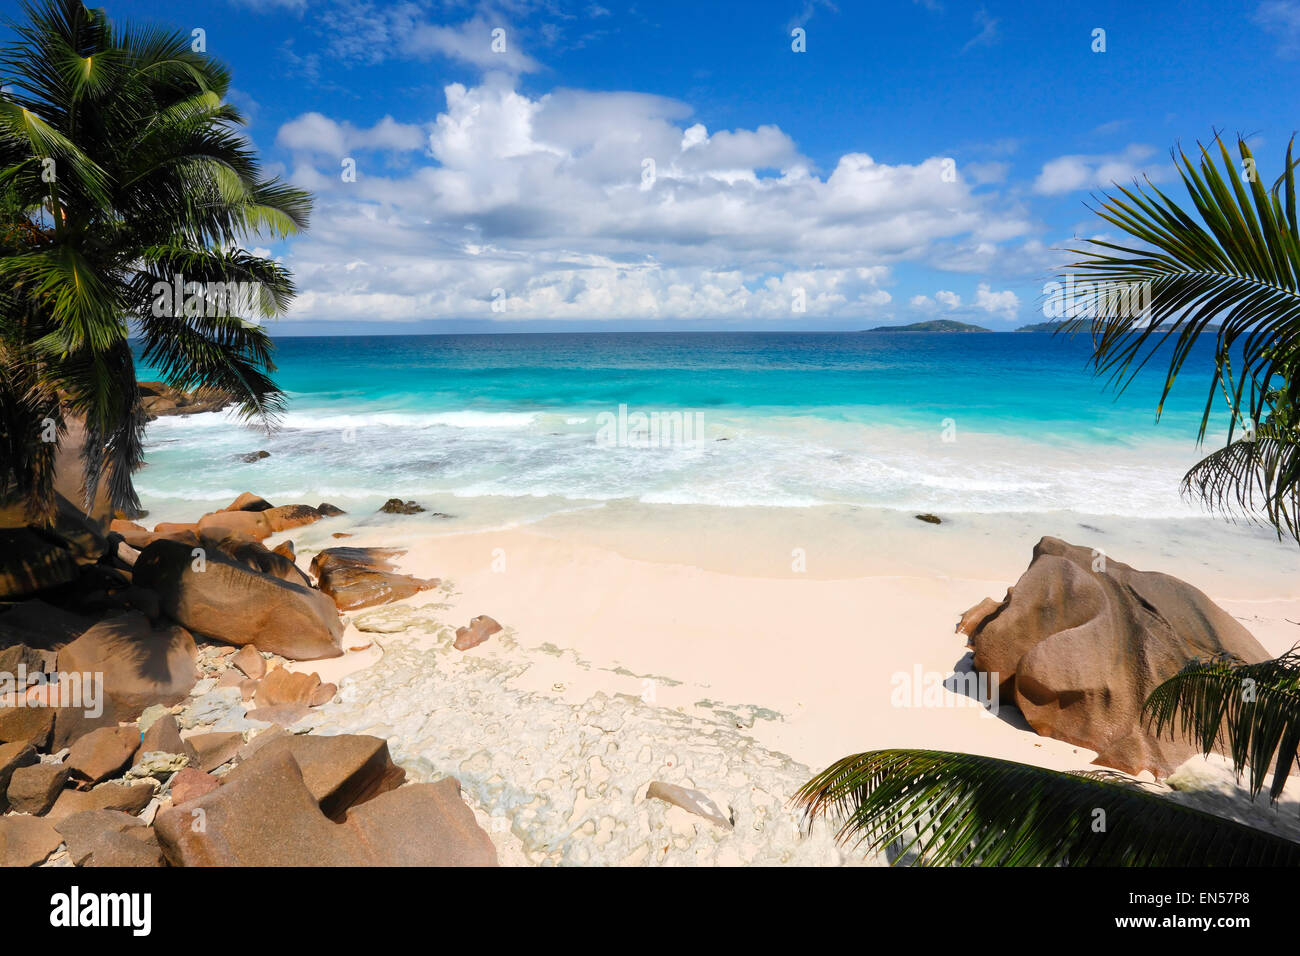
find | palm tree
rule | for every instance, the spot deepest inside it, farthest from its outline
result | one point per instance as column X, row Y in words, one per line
column 1237, row 262
column 124, row 174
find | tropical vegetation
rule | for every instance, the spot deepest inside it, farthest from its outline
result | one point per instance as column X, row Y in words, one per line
column 127, row 193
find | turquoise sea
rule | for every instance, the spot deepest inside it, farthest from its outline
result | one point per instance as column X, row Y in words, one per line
column 943, row 422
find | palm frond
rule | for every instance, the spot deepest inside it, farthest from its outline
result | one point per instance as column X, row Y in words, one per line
column 937, row 808
column 1253, row 709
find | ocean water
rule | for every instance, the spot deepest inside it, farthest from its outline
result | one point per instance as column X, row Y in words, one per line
column 951, row 423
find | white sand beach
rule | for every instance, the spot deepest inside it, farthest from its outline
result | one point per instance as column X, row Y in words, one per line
column 648, row 643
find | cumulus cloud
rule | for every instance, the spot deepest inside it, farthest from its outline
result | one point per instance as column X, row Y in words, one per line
column 1006, row 304
column 1069, row 173
column 315, row 133
column 612, row 205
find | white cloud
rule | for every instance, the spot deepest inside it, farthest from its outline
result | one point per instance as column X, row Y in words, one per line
column 1282, row 18
column 1006, row 304
column 612, row 205
column 988, row 34
column 314, row 133
column 950, row 300
column 1069, row 173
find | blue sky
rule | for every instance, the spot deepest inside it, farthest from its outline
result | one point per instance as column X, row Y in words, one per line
column 921, row 159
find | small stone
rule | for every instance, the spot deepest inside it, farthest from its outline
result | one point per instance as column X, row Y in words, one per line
column 158, row 765
column 323, row 695
column 395, row 506
column 151, row 714
column 929, row 519
column 693, row 801
column 283, row 686
column 215, row 749
column 248, row 660
column 479, row 630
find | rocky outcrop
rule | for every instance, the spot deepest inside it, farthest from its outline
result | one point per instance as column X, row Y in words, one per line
column 160, row 399
column 227, row 601
column 245, row 524
column 1082, row 640
column 271, row 818
column 249, row 502
column 396, row 506
column 340, row 771
column 32, row 560
column 291, row 516
column 109, row 838
column 140, row 665
column 363, row 577
column 257, row 557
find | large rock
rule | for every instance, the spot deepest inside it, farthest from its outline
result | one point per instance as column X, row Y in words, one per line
column 1078, row 650
column 29, row 725
column 141, row 665
column 164, row 736
column 109, row 838
column 160, row 400
column 107, row 796
column 364, row 577
column 12, row 757
column 270, row 818
column 245, row 524
column 103, row 753
column 291, row 516
column 42, row 626
column 340, row 771
column 249, row 502
column 33, row 560
column 26, row 841
column 34, row 557
column 231, row 603
column 257, row 557
column 34, row 788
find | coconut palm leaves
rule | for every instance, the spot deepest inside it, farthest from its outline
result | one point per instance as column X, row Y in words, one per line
column 122, row 173
column 1233, row 259
column 1254, row 709
column 936, row 808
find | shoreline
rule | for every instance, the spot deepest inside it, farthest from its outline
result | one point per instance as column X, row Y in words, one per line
column 795, row 671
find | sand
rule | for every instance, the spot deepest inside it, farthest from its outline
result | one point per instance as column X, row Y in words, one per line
column 731, row 650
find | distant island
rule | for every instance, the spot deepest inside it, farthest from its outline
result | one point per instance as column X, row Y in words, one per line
column 1083, row 325
column 935, row 325
column 1050, row 326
